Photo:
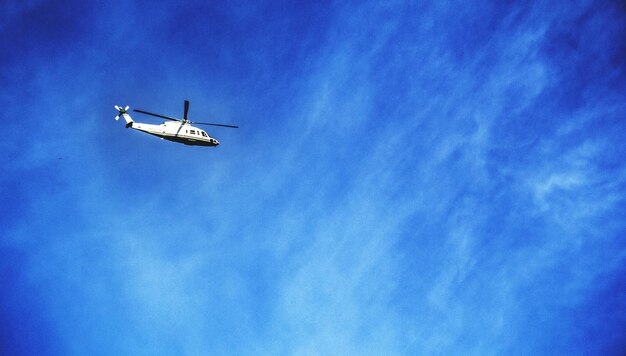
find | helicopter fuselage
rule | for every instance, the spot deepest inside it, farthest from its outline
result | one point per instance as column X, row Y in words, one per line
column 176, row 132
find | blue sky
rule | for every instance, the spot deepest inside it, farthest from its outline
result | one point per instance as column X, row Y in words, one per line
column 408, row 178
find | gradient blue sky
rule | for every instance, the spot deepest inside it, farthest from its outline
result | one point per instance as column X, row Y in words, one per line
column 409, row 178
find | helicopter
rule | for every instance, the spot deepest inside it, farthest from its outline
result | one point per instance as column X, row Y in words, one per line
column 180, row 130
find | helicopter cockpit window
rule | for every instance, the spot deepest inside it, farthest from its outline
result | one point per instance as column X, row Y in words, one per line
column 204, row 134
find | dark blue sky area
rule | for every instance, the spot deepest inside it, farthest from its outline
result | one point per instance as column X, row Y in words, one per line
column 408, row 178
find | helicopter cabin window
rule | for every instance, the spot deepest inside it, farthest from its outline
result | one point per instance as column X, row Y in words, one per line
column 193, row 132
column 204, row 134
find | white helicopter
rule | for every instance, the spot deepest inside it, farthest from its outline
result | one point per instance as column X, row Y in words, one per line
column 178, row 131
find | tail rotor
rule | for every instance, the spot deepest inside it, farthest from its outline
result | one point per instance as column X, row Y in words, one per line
column 123, row 112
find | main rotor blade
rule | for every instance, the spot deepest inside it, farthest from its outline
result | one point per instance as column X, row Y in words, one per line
column 186, row 110
column 221, row 125
column 157, row 115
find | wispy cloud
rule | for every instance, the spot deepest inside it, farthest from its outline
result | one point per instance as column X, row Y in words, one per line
column 407, row 179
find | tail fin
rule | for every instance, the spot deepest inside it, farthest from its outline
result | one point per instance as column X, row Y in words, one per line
column 123, row 113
